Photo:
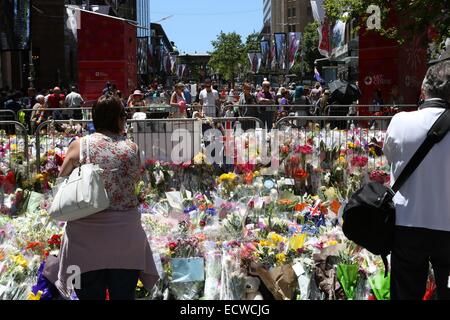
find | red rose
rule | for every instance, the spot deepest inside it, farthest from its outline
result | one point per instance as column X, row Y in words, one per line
column 251, row 204
column 284, row 149
column 202, row 223
column 299, row 174
column 172, row 245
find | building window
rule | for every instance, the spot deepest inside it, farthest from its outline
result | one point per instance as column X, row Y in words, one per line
column 289, row 12
column 293, row 11
column 292, row 28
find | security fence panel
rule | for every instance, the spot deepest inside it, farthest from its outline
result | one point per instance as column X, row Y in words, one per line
column 169, row 140
column 14, row 148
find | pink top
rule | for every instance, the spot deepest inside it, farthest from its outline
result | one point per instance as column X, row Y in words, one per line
column 119, row 158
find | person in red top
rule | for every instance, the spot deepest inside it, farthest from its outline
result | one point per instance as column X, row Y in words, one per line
column 56, row 99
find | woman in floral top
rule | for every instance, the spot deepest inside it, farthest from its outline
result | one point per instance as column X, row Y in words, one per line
column 111, row 247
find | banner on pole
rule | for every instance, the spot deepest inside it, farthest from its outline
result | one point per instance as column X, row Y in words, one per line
column 280, row 50
column 295, row 39
column 255, row 61
column 265, row 53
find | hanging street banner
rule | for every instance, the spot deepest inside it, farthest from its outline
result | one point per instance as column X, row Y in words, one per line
column 272, row 59
column 295, row 38
column 280, row 50
column 265, row 53
column 181, row 68
column 173, row 63
column 324, row 39
column 142, row 47
column 255, row 59
column 338, row 35
column 324, row 28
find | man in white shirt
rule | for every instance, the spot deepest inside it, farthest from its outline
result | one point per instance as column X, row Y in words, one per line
column 73, row 100
column 422, row 205
column 209, row 99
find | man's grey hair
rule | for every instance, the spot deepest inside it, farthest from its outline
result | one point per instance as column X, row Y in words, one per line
column 437, row 81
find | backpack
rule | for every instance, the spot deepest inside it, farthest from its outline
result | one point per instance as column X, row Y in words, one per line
column 369, row 216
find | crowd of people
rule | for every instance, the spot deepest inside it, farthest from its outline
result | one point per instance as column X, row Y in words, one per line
column 194, row 100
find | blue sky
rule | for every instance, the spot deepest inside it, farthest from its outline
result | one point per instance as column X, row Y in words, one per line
column 195, row 23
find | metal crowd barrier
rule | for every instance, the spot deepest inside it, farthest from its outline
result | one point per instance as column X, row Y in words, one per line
column 365, row 141
column 7, row 115
column 157, row 138
column 335, row 122
column 13, row 140
column 160, row 139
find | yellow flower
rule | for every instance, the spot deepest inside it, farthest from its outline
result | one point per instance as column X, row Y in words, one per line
column 342, row 160
column 331, row 243
column 276, row 238
column 351, row 145
column 35, row 297
column 297, row 241
column 265, row 243
column 199, row 158
column 39, row 177
column 229, row 177
column 20, row 260
column 13, row 147
column 330, row 193
column 140, row 284
column 281, row 258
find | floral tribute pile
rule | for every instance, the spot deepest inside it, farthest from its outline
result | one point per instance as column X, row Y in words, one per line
column 215, row 233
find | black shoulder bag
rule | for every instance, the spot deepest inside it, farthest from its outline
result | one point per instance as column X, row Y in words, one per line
column 369, row 216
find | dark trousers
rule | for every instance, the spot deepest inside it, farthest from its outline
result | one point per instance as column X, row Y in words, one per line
column 413, row 250
column 121, row 284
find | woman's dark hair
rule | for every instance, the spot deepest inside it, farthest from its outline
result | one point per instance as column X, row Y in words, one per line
column 107, row 112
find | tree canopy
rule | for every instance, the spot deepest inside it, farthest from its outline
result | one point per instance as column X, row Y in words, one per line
column 413, row 16
column 228, row 56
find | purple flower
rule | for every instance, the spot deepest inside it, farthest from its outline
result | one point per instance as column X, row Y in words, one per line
column 49, row 291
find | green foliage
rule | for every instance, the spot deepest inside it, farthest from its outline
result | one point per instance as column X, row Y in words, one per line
column 229, row 55
column 310, row 47
column 253, row 42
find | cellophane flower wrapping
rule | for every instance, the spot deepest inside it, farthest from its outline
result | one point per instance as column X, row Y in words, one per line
column 233, row 277
column 213, row 268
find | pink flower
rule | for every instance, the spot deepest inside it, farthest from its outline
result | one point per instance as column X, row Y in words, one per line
column 359, row 161
column 379, row 176
column 306, row 149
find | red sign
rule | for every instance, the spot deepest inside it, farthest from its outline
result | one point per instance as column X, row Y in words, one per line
column 107, row 51
column 396, row 70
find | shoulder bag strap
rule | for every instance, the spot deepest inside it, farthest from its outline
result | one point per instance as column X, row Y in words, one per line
column 88, row 156
column 437, row 132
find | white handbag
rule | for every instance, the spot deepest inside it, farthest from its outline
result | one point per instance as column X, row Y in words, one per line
column 82, row 194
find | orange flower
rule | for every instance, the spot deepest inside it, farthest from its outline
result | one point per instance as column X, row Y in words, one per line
column 335, row 206
column 248, row 178
column 2, row 255
column 285, row 202
column 210, row 206
column 300, row 174
column 34, row 245
column 323, row 209
column 202, row 207
column 300, row 206
column 200, row 236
